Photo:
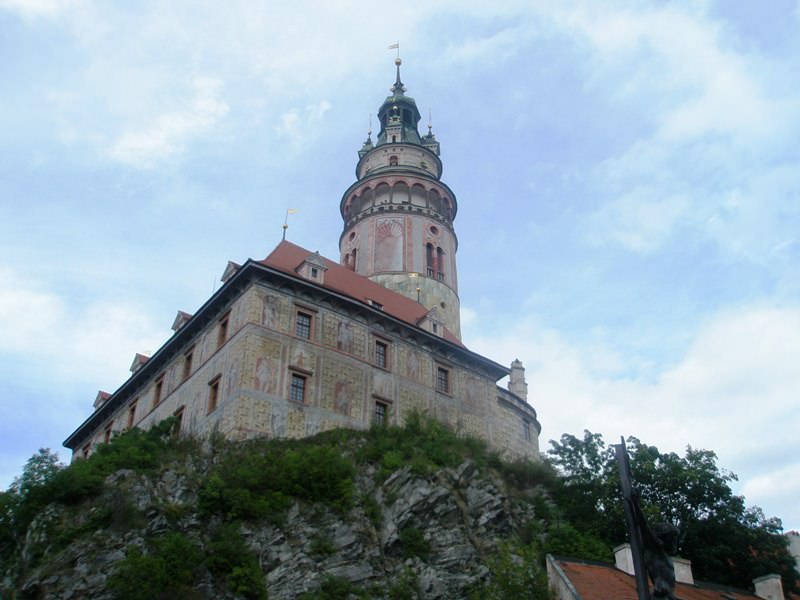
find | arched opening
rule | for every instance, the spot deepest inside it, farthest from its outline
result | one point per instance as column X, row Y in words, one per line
column 430, row 268
column 393, row 160
column 439, row 264
column 400, row 193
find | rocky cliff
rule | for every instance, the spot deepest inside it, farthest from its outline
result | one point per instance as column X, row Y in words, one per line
column 400, row 513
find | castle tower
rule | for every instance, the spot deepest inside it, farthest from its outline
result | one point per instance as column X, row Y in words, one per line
column 398, row 215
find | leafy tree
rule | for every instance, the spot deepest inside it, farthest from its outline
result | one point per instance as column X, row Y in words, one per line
column 26, row 496
column 726, row 541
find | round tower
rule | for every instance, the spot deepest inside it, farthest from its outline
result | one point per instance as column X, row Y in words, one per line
column 398, row 215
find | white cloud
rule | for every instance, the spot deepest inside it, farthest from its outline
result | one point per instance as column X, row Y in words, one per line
column 32, row 9
column 640, row 220
column 733, row 391
column 93, row 343
column 712, row 117
column 169, row 134
column 299, row 127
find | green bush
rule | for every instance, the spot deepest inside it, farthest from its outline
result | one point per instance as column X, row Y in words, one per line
column 423, row 443
column 322, row 546
column 167, row 571
column 258, row 480
column 404, row 587
column 413, row 543
column 517, row 572
column 229, row 558
column 337, row 588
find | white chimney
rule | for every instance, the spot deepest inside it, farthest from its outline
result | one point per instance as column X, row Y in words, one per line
column 769, row 587
column 683, row 570
column 516, row 380
column 623, row 558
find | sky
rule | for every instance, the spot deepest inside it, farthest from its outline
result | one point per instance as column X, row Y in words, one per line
column 627, row 174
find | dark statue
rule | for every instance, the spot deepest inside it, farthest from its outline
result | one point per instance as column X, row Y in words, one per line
column 651, row 547
column 658, row 542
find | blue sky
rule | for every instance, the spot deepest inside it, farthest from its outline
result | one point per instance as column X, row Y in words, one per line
column 627, row 176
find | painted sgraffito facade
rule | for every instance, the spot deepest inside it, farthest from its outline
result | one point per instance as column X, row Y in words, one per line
column 296, row 344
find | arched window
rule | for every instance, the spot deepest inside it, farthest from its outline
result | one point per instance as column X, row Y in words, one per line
column 429, row 259
column 440, row 264
column 392, row 159
column 352, row 260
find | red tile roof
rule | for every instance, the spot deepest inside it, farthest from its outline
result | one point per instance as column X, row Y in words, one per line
column 287, row 257
column 595, row 581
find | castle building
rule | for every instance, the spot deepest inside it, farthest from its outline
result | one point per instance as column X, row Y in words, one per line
column 296, row 343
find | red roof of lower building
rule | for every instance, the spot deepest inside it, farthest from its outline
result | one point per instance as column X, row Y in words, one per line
column 597, row 581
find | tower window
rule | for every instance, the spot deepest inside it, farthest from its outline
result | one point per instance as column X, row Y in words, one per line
column 297, row 391
column 394, row 139
column 302, row 326
column 429, row 260
column 526, row 430
column 392, row 161
column 442, row 380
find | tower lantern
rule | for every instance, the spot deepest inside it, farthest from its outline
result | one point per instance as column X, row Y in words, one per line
column 398, row 215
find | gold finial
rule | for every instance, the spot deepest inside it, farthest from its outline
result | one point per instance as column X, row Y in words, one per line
column 289, row 211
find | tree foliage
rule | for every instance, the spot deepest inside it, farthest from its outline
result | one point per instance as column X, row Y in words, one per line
column 726, row 541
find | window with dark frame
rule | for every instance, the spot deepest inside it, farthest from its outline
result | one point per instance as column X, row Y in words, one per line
column 213, row 394
column 222, row 330
column 380, row 416
column 131, row 414
column 178, row 414
column 187, row 363
column 297, row 391
column 526, row 430
column 442, row 380
column 107, row 435
column 159, row 389
column 302, row 325
column 87, row 449
column 381, row 354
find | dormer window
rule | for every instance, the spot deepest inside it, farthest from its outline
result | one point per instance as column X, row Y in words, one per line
column 313, row 268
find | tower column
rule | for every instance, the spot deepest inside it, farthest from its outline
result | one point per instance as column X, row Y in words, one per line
column 398, row 215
